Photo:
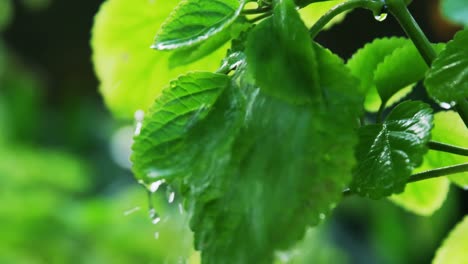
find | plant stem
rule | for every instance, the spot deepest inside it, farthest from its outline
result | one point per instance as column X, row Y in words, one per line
column 444, row 171
column 260, row 10
column 399, row 10
column 380, row 112
column 260, row 17
column 374, row 6
column 462, row 109
column 447, row 148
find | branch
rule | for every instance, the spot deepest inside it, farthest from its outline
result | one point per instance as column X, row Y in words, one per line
column 444, row 171
column 447, row 148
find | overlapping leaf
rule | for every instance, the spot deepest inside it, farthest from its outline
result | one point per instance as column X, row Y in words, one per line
column 404, row 67
column 132, row 75
column 450, row 129
column 447, row 80
column 425, row 197
column 453, row 251
column 290, row 64
column 365, row 61
column 262, row 168
column 185, row 102
column 388, row 152
column 194, row 21
column 313, row 12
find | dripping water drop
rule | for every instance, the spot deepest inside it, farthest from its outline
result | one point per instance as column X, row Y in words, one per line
column 381, row 17
column 139, row 116
column 181, row 208
column 445, row 105
column 155, row 186
column 322, row 216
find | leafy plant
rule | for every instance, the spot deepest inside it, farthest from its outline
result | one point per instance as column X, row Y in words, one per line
column 267, row 144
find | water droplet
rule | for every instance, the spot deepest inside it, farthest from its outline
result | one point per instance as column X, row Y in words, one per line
column 381, row 17
column 445, row 105
column 156, row 235
column 156, row 220
column 131, row 211
column 181, row 208
column 155, row 186
column 139, row 116
column 322, row 216
column 171, row 197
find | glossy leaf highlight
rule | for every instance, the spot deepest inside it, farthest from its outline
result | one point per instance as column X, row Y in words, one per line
column 194, row 21
column 388, row 152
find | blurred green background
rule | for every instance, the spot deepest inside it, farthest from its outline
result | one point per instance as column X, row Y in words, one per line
column 67, row 195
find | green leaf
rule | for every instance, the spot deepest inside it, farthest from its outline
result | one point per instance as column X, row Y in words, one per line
column 364, row 62
column 387, row 153
column 404, row 67
column 447, row 80
column 260, row 169
column 456, row 10
column 453, row 250
column 288, row 68
column 191, row 54
column 132, row 75
column 424, row 197
column 449, row 129
column 194, row 21
column 313, row 12
column 187, row 101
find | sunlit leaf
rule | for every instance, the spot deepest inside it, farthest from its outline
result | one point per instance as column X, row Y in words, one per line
column 131, row 74
column 424, row 197
column 313, row 12
column 447, row 80
column 365, row 61
column 388, row 152
column 450, row 129
column 194, row 21
column 453, row 250
column 404, row 67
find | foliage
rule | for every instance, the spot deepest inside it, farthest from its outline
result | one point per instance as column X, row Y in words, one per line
column 264, row 143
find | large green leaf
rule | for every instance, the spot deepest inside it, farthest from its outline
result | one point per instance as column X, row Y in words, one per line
column 194, row 21
column 424, row 197
column 289, row 69
column 450, row 129
column 456, row 10
column 447, row 80
column 365, row 61
column 404, row 67
column 187, row 100
column 453, row 250
column 130, row 73
column 260, row 169
column 388, row 152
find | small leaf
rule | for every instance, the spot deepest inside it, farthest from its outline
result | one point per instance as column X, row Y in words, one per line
column 453, row 250
column 365, row 61
column 424, row 197
column 185, row 102
column 456, row 11
column 194, row 21
column 191, row 54
column 450, row 129
column 388, row 152
column 447, row 80
column 131, row 74
column 404, row 67
column 288, row 68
